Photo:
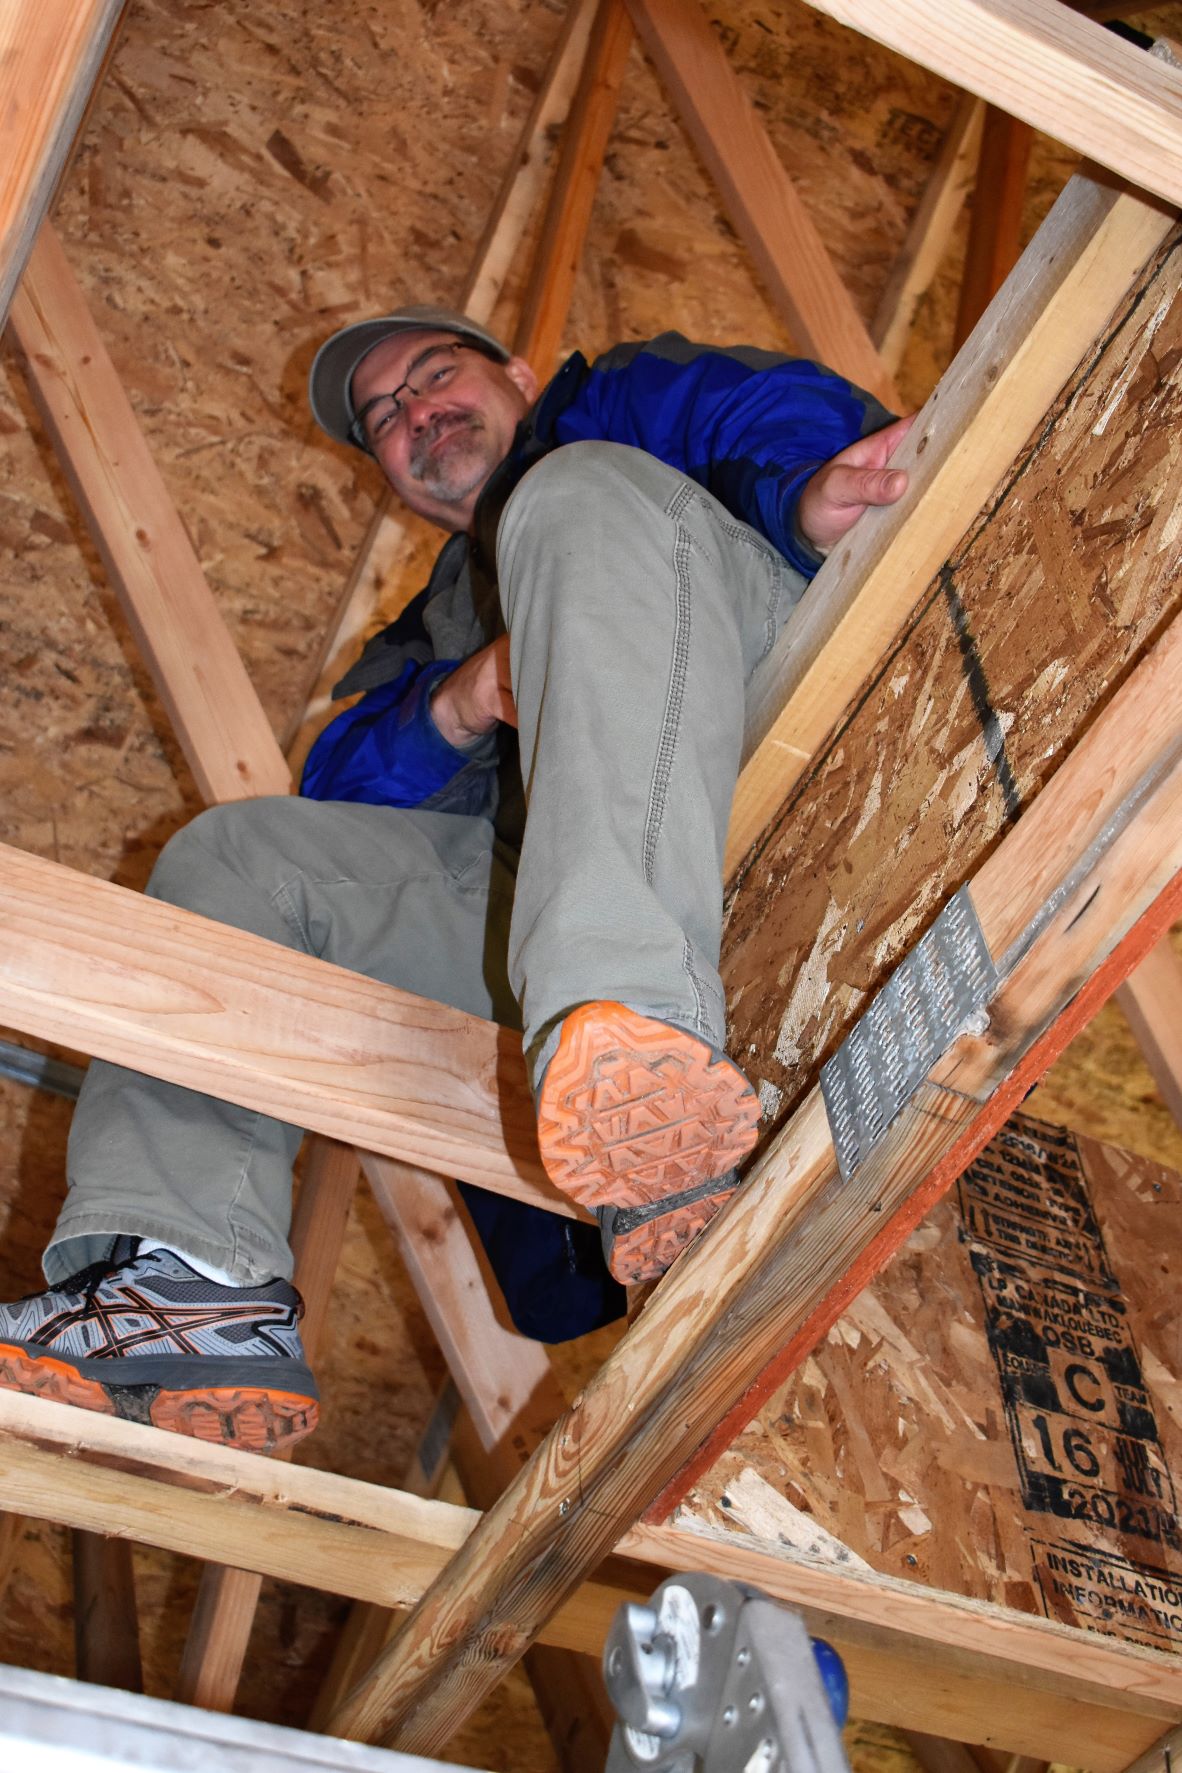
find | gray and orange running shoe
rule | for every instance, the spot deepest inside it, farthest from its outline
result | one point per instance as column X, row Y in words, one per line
column 643, row 1123
column 148, row 1339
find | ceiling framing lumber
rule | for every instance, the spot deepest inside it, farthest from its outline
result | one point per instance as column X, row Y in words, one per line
column 995, row 230
column 568, row 212
column 930, row 232
column 50, row 59
column 914, row 1656
column 215, row 1647
column 1099, row 852
column 506, row 1381
column 521, row 190
column 1095, row 240
column 1056, row 70
column 85, row 962
column 106, row 1627
column 760, row 198
column 232, row 751
column 211, row 703
column 1151, row 998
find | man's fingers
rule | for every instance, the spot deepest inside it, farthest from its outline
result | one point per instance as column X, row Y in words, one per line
column 882, row 486
column 846, row 486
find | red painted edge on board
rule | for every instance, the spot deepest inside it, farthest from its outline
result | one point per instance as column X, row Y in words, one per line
column 1124, row 958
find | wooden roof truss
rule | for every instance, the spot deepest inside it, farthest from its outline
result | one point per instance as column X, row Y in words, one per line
column 1071, row 900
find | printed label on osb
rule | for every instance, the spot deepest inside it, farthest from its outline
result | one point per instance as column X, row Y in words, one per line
column 1080, row 1417
column 1111, row 1594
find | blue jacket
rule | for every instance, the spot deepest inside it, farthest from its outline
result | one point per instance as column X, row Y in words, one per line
column 751, row 428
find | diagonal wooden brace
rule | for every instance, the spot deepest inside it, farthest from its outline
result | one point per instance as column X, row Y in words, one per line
column 1099, row 852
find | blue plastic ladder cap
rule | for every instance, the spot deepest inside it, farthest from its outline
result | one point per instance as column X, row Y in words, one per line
column 834, row 1680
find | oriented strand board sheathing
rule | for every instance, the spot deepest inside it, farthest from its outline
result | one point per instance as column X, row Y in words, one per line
column 999, row 1413
column 242, row 190
column 251, row 176
column 1053, row 594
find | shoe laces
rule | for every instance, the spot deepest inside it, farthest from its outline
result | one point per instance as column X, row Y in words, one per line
column 88, row 1280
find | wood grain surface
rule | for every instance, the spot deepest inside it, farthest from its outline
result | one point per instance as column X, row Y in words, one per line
column 1019, row 639
column 1047, row 65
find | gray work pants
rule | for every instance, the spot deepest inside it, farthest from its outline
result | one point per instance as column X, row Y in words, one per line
column 637, row 611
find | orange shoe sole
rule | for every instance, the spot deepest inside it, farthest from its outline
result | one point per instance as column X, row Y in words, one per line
column 248, row 1418
column 253, row 1420
column 632, row 1110
column 644, row 1253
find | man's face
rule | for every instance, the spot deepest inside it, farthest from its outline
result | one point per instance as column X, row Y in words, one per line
column 447, row 439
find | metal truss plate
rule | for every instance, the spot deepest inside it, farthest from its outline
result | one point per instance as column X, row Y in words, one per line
column 944, row 982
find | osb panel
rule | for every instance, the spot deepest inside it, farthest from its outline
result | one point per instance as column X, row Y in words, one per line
column 998, row 1414
column 1022, row 635
column 254, row 174
column 240, row 192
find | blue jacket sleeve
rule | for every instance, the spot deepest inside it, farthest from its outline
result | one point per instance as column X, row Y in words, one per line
column 387, row 751
column 750, row 426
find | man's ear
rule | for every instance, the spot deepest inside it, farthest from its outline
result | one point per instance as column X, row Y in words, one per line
column 522, row 377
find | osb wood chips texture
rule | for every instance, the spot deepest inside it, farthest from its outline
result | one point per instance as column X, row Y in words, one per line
column 998, row 1415
column 253, row 174
column 1038, row 615
column 252, row 177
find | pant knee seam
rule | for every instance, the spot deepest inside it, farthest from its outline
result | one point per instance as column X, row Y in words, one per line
column 739, row 532
column 674, row 698
column 701, row 1015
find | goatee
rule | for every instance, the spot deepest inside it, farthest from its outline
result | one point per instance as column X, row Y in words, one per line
column 449, row 473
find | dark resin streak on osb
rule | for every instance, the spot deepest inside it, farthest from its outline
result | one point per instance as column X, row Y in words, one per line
column 1022, row 636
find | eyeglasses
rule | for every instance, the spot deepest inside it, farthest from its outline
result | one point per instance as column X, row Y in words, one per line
column 383, row 413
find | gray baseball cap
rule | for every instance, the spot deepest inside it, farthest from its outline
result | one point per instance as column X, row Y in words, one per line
column 331, row 375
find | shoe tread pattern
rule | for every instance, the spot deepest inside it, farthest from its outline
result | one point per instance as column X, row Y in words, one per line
column 645, row 1253
column 252, row 1419
column 633, row 1110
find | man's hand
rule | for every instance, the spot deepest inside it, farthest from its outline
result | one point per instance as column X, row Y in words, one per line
column 471, row 699
column 843, row 487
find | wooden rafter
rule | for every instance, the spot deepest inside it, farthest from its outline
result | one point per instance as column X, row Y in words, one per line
column 1092, row 868
column 757, row 191
column 568, row 213
column 49, row 62
column 995, row 232
column 520, row 192
column 506, row 1382
column 931, row 230
column 915, row 1657
column 1151, row 998
column 1053, row 68
column 88, row 963
column 215, row 713
column 106, row 1626
column 1095, row 239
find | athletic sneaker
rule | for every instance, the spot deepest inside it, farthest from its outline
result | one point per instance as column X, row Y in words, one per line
column 148, row 1339
column 644, row 1123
